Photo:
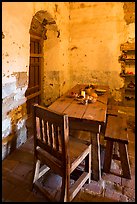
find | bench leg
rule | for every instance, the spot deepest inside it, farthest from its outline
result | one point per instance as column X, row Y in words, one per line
column 108, row 156
column 124, row 160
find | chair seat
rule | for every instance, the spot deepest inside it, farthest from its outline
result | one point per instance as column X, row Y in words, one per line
column 76, row 150
column 82, row 136
column 44, row 156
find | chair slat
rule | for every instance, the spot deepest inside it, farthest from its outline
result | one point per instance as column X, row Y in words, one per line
column 56, row 136
column 50, row 126
column 50, row 150
column 41, row 129
column 46, row 132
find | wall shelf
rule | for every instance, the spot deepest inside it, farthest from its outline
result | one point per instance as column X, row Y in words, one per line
column 127, row 60
column 127, row 47
column 127, row 75
column 129, row 96
column 130, row 89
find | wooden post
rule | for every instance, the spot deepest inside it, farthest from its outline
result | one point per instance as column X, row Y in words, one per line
column 95, row 157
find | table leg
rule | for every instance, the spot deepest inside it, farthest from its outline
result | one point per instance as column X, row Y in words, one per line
column 95, row 157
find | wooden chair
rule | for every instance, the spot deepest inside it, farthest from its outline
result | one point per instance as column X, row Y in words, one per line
column 60, row 153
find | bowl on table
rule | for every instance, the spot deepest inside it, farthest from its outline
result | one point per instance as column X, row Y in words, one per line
column 73, row 95
column 100, row 91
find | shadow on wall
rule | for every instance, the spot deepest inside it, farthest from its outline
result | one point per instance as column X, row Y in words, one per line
column 43, row 23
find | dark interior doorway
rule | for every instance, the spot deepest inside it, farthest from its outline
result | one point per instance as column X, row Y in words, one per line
column 33, row 92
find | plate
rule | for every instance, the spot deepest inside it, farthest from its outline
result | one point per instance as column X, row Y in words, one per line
column 100, row 91
column 79, row 98
column 72, row 95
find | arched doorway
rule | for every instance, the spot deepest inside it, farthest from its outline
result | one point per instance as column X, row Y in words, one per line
column 38, row 32
column 33, row 92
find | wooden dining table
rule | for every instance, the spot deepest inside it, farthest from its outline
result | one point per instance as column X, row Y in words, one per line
column 86, row 117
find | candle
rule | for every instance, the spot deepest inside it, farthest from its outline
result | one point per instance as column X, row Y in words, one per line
column 83, row 93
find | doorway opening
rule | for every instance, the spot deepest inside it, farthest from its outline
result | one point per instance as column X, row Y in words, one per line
column 40, row 24
column 33, row 92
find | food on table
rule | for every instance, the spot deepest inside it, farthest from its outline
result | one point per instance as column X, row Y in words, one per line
column 90, row 99
column 94, row 100
column 88, row 91
column 94, row 95
column 73, row 94
column 80, row 97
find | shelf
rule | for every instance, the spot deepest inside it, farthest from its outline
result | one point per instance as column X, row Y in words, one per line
column 129, row 57
column 127, row 75
column 128, row 61
column 130, row 96
column 129, row 102
column 130, row 89
column 127, row 47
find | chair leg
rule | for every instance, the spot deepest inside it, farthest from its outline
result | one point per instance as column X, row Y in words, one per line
column 36, row 166
column 36, row 171
column 88, row 165
column 63, row 196
column 108, row 156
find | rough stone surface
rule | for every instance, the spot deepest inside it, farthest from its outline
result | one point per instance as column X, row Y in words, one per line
column 14, row 131
column 21, row 79
column 95, row 187
column 129, row 11
column 8, row 89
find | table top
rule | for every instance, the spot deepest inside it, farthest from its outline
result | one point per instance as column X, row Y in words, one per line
column 92, row 112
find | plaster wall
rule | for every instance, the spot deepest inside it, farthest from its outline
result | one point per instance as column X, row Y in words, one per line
column 15, row 63
column 16, row 21
column 56, row 74
column 96, row 31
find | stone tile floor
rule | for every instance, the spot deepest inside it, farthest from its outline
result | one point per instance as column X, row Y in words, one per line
column 17, row 175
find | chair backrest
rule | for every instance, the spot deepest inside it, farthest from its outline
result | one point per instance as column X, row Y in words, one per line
column 51, row 132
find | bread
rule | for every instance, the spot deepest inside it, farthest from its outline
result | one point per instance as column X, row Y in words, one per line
column 94, row 95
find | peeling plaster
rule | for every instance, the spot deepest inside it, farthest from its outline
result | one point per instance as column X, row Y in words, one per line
column 3, row 36
column 6, row 124
column 58, row 33
column 73, row 48
column 56, row 8
column 129, row 11
column 6, row 54
column 21, row 79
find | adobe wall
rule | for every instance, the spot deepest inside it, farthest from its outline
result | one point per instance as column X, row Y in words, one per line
column 97, row 29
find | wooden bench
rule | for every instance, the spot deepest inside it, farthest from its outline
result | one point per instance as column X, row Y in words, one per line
column 116, row 132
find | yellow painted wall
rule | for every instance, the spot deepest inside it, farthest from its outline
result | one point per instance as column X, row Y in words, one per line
column 86, row 51
column 16, row 21
column 97, row 29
